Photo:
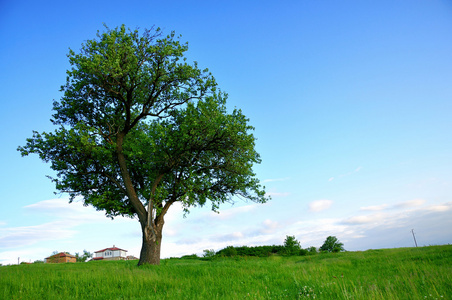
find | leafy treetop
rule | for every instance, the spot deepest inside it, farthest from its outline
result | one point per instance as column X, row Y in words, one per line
column 139, row 126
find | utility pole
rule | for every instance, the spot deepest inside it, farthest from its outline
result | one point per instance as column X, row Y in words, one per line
column 412, row 231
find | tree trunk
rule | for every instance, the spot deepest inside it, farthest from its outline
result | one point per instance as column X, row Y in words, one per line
column 150, row 249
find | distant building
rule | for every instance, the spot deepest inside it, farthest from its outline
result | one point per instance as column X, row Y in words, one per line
column 113, row 253
column 61, row 257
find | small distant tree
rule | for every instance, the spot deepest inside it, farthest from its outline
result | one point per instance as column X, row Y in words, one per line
column 84, row 257
column 38, row 261
column 228, row 251
column 312, row 250
column 291, row 245
column 190, row 256
column 208, row 253
column 332, row 244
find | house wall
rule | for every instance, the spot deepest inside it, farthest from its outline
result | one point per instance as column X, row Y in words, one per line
column 71, row 259
column 112, row 255
column 119, row 253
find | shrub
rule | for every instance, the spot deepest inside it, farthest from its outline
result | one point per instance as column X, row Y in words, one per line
column 303, row 252
column 228, row 251
column 260, row 251
column 38, row 262
column 192, row 256
column 311, row 250
column 291, row 245
column 208, row 253
column 332, row 244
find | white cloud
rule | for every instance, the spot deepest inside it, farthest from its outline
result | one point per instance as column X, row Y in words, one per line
column 276, row 179
column 381, row 230
column 402, row 205
column 410, row 203
column 233, row 212
column 238, row 226
column 62, row 209
column 389, row 228
column 363, row 219
column 269, row 226
column 29, row 235
column 320, row 205
column 440, row 208
column 237, row 234
column 65, row 227
column 375, row 207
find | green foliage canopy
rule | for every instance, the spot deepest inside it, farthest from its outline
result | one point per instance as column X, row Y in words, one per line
column 291, row 245
column 138, row 127
column 83, row 257
column 332, row 244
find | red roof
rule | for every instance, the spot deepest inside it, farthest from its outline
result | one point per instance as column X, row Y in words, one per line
column 98, row 258
column 111, row 249
column 61, row 254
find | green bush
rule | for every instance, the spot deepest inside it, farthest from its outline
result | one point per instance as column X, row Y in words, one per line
column 332, row 244
column 303, row 252
column 311, row 250
column 291, row 246
column 259, row 251
column 38, row 262
column 191, row 256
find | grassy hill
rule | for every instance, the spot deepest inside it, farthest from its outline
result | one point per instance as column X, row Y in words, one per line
column 404, row 273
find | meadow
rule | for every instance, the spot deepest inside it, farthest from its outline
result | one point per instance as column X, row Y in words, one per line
column 403, row 273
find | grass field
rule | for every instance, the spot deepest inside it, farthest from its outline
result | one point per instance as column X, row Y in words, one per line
column 404, row 273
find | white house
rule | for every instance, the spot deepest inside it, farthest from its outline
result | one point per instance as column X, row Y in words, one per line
column 113, row 253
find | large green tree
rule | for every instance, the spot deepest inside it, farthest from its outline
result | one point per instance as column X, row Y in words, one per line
column 332, row 244
column 139, row 129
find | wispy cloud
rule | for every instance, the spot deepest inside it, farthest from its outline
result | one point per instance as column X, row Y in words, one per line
column 387, row 228
column 62, row 209
column 440, row 208
column 269, row 226
column 391, row 216
column 29, row 235
column 276, row 179
column 233, row 212
column 392, row 227
column 374, row 207
column 63, row 223
column 320, row 205
column 345, row 174
column 410, row 203
column 402, row 205
column 363, row 219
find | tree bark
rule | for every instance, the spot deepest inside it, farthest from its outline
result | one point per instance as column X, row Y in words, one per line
column 150, row 248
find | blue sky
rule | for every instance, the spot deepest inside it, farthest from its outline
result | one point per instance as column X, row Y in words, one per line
column 351, row 101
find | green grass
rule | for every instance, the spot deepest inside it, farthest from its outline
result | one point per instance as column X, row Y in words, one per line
column 405, row 273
